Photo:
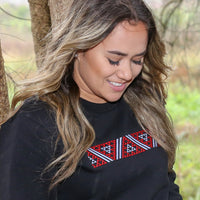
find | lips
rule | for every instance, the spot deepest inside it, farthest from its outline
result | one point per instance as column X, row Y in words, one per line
column 118, row 87
column 116, row 84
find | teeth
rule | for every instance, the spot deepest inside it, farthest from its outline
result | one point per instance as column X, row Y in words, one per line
column 116, row 84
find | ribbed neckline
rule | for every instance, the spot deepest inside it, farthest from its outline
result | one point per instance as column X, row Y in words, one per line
column 98, row 107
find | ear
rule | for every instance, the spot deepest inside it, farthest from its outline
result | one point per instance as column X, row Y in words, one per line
column 78, row 58
column 80, row 54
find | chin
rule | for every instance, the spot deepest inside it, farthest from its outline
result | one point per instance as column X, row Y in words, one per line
column 113, row 99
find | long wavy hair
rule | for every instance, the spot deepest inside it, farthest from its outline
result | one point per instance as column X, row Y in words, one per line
column 86, row 24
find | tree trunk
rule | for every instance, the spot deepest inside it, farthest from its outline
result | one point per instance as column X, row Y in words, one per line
column 40, row 26
column 44, row 15
column 4, row 102
column 58, row 8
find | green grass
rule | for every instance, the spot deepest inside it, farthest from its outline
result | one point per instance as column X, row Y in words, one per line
column 183, row 104
column 187, row 166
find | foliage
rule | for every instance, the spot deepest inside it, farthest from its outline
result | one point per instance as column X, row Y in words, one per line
column 187, row 166
column 184, row 104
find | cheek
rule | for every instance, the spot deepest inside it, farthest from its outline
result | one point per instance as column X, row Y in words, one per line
column 137, row 70
column 99, row 68
column 96, row 65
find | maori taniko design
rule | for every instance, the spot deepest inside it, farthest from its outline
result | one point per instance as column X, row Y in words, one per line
column 120, row 148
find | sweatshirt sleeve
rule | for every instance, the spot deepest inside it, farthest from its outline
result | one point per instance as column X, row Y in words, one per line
column 25, row 150
column 174, row 189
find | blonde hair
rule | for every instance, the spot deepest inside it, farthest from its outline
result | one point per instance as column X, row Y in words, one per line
column 86, row 24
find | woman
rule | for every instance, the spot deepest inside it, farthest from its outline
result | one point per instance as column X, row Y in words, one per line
column 92, row 124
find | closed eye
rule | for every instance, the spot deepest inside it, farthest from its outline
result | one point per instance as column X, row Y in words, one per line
column 113, row 62
column 138, row 62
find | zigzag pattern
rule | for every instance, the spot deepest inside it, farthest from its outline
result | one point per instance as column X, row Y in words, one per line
column 120, row 148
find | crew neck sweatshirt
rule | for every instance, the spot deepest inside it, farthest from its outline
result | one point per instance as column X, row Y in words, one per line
column 123, row 163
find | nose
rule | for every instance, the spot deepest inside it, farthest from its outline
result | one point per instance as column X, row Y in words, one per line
column 125, row 72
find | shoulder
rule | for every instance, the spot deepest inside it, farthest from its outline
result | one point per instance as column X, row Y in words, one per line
column 27, row 146
column 34, row 123
column 33, row 112
column 37, row 111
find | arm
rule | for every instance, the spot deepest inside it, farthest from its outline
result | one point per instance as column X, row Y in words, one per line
column 174, row 189
column 25, row 151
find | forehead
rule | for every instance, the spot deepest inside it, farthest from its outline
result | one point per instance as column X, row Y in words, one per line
column 127, row 36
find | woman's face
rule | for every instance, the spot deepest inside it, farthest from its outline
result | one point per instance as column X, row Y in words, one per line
column 104, row 72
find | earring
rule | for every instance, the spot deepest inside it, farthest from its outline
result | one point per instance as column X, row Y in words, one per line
column 76, row 55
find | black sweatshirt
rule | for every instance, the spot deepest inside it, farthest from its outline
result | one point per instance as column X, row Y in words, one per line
column 124, row 162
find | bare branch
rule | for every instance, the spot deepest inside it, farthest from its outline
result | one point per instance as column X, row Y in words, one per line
column 11, row 78
column 11, row 15
column 165, row 22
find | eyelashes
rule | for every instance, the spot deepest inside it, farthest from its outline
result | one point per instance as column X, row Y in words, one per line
column 113, row 62
column 138, row 62
column 116, row 63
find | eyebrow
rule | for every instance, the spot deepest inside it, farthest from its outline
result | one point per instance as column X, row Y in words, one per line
column 125, row 54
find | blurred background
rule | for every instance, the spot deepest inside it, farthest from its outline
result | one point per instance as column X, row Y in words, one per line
column 179, row 25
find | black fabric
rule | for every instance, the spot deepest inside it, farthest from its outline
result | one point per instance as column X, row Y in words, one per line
column 27, row 147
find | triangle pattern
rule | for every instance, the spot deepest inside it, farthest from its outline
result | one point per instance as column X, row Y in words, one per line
column 96, row 161
column 120, row 148
column 129, row 148
column 126, row 142
column 107, row 149
column 144, row 137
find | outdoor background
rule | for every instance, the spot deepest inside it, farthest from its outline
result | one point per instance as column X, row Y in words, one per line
column 179, row 26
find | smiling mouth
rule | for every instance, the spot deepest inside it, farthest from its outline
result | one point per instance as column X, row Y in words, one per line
column 117, row 87
column 116, row 84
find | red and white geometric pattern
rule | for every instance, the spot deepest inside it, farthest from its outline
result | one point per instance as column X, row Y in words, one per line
column 120, row 148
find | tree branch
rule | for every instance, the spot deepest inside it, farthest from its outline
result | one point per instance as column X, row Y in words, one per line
column 11, row 15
